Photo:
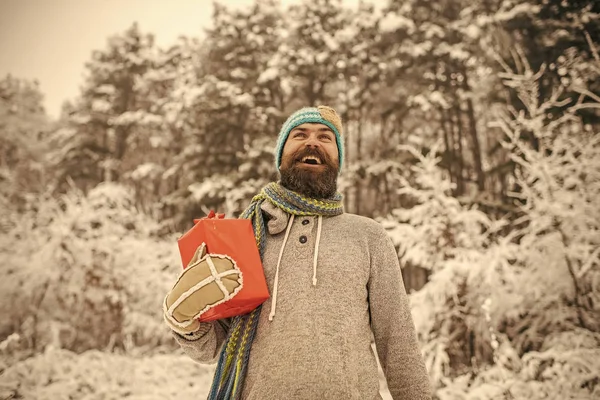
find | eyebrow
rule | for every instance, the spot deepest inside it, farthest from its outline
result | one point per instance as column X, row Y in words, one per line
column 324, row 129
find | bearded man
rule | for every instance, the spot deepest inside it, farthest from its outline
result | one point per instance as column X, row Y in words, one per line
column 335, row 283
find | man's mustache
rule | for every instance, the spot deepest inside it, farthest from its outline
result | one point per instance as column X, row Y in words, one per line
column 307, row 151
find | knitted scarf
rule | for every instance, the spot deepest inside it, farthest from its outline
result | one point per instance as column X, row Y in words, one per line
column 233, row 361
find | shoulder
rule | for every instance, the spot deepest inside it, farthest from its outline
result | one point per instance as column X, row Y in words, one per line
column 359, row 225
column 370, row 236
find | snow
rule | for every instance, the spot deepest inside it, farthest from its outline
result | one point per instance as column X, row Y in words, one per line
column 146, row 171
column 423, row 102
column 105, row 89
column 257, row 40
column 238, row 73
column 101, row 106
column 60, row 374
column 510, row 14
column 157, row 141
column 472, row 31
column 393, row 22
column 506, row 280
column 135, row 117
column 322, row 57
column 330, row 42
column 244, row 99
column 455, row 51
column 208, row 188
column 346, row 34
column 417, row 49
column 437, row 97
column 511, row 302
column 432, row 31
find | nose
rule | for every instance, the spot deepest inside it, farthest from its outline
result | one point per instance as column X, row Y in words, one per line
column 312, row 141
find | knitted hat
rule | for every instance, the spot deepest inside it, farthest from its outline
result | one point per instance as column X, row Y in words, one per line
column 320, row 115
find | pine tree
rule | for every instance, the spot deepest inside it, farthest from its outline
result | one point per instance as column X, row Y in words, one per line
column 23, row 126
column 436, row 233
column 520, row 300
column 111, row 114
column 311, row 52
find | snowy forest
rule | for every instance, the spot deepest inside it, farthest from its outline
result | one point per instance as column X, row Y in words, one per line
column 472, row 133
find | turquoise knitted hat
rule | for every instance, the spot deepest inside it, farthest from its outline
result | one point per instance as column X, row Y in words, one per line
column 320, row 115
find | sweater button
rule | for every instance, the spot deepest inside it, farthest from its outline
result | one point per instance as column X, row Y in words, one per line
column 305, row 222
column 303, row 239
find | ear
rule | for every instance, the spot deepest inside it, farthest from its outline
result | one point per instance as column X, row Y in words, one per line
column 200, row 252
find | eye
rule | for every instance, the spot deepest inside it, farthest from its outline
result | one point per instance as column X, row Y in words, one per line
column 325, row 137
column 299, row 134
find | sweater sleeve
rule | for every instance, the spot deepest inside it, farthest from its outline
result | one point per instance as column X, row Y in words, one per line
column 205, row 345
column 393, row 326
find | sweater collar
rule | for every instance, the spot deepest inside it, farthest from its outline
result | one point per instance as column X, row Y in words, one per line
column 278, row 219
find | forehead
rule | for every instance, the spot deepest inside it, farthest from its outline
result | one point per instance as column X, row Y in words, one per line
column 310, row 126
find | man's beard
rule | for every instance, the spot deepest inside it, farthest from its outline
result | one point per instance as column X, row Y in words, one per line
column 316, row 184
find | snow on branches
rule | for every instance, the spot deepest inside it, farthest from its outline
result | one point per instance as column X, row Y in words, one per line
column 511, row 305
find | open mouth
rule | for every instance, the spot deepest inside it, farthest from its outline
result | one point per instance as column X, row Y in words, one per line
column 311, row 160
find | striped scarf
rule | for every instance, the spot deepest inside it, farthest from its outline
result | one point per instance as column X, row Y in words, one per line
column 233, row 360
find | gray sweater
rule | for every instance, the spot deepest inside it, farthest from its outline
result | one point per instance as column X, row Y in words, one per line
column 317, row 345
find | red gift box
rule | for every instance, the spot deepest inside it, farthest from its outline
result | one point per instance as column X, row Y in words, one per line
column 234, row 238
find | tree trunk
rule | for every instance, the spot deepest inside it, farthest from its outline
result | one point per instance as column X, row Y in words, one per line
column 449, row 149
column 474, row 139
column 460, row 183
column 388, row 197
column 346, row 140
column 310, row 91
column 357, row 186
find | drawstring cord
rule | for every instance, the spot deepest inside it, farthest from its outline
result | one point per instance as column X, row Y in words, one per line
column 285, row 239
column 276, row 283
column 319, row 222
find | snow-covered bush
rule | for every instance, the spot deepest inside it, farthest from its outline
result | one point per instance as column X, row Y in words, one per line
column 84, row 272
column 565, row 368
column 456, row 244
column 513, row 313
column 62, row 374
column 558, row 176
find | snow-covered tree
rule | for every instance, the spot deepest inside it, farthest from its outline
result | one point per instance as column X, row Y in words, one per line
column 241, row 50
column 438, row 46
column 518, row 296
column 222, row 104
column 434, row 231
column 113, row 114
column 550, row 31
column 84, row 272
column 559, row 181
column 311, row 53
column 23, row 126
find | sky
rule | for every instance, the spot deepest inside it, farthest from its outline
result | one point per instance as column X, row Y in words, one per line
column 51, row 40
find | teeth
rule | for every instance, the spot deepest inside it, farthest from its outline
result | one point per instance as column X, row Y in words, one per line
column 311, row 158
